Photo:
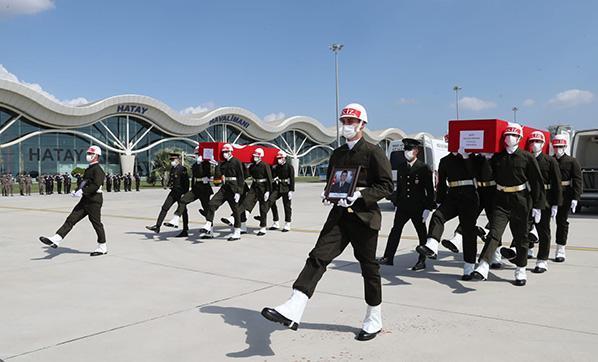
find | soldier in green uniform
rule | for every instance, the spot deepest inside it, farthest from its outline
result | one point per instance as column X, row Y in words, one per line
column 572, row 189
column 519, row 188
column 233, row 181
column 179, row 185
column 414, row 201
column 355, row 220
column 283, row 186
column 457, row 197
column 202, row 173
column 90, row 204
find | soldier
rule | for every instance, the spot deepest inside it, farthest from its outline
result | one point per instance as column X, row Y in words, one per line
column 67, row 183
column 137, row 181
column 283, row 185
column 355, row 220
column 28, row 184
column 549, row 168
column 49, row 184
column 233, row 182
column 414, row 201
column 3, row 184
column 21, row 182
column 519, row 187
column 58, row 179
column 90, row 204
column 10, row 184
column 179, row 185
column 572, row 188
column 41, row 184
column 202, row 172
column 79, row 179
column 457, row 197
column 109, row 183
column 261, row 188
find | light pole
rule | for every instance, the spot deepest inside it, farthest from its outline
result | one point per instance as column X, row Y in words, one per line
column 335, row 49
column 457, row 89
column 515, row 109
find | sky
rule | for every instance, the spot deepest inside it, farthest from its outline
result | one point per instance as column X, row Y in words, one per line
column 401, row 59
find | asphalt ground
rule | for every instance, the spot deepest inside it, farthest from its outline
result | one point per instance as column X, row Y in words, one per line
column 160, row 298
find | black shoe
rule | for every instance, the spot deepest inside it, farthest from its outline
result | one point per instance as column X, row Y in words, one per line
column 171, row 225
column 182, row 234
column 530, row 256
column 365, row 336
column 97, row 253
column 425, row 251
column 285, row 230
column 272, row 315
column 257, row 218
column 154, row 228
column 420, row 265
column 450, row 246
column 225, row 220
column 273, row 228
column 467, row 277
column 559, row 259
column 477, row 276
column 205, row 234
column 538, row 270
column 520, row 283
column 385, row 261
column 48, row 242
column 481, row 232
column 202, row 212
column 508, row 253
column 496, row 266
column 260, row 234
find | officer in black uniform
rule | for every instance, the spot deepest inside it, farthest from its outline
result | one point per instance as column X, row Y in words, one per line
column 202, row 173
column 283, row 186
column 58, row 179
column 355, row 220
column 232, row 175
column 137, row 181
column 414, row 201
column 549, row 168
column 179, row 185
column 90, row 204
column 519, row 188
column 572, row 189
column 457, row 197
column 261, row 188
column 67, row 183
column 109, row 183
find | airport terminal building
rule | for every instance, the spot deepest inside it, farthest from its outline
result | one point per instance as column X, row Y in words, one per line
column 39, row 135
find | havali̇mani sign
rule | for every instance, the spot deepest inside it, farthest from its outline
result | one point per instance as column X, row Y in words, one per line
column 57, row 154
column 229, row 118
column 131, row 108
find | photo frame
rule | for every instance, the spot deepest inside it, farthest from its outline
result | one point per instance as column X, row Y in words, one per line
column 342, row 183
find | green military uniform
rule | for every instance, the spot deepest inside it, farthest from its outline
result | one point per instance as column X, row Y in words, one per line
column 572, row 188
column 358, row 224
column 90, row 204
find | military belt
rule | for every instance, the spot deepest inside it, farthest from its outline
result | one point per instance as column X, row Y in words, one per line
column 486, row 183
column 230, row 178
column 566, row 183
column 287, row 180
column 547, row 187
column 511, row 188
column 260, row 180
column 461, row 183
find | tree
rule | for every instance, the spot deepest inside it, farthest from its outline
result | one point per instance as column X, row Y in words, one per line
column 161, row 163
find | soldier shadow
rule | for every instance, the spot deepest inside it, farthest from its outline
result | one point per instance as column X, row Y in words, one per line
column 51, row 253
column 258, row 330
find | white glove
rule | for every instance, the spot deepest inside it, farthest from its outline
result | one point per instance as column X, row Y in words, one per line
column 462, row 152
column 536, row 215
column 573, row 205
column 237, row 198
column 77, row 193
column 349, row 201
column 324, row 199
column 266, row 195
column 205, row 180
column 290, row 194
column 425, row 215
column 553, row 210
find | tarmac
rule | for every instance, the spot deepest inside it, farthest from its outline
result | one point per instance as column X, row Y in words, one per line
column 160, row 298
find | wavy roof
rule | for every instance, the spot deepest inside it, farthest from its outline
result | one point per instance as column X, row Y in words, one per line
column 46, row 111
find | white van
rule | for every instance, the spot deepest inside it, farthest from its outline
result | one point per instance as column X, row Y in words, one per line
column 585, row 150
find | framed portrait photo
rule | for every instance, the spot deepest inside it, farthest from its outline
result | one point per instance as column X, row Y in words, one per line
column 342, row 183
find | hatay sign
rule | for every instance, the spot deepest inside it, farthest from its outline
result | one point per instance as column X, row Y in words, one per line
column 131, row 108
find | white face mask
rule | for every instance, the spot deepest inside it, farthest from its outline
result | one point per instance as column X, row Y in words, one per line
column 227, row 155
column 281, row 161
column 89, row 158
column 537, row 147
column 559, row 151
column 409, row 155
column 198, row 159
column 350, row 131
column 173, row 163
column 256, row 159
column 511, row 140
